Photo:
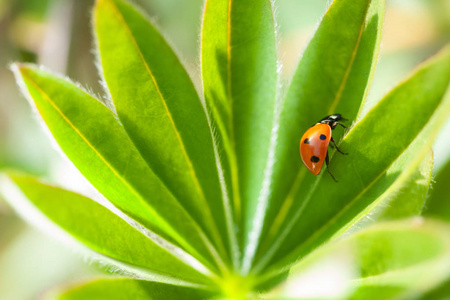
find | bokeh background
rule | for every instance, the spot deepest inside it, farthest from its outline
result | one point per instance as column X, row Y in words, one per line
column 57, row 34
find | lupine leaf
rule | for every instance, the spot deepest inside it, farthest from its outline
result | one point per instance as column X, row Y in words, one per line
column 374, row 144
column 389, row 259
column 239, row 71
column 333, row 76
column 157, row 103
column 440, row 292
column 89, row 134
column 409, row 200
column 438, row 204
column 94, row 226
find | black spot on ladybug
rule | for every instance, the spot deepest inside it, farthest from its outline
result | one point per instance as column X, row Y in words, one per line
column 315, row 159
column 323, row 137
column 306, row 141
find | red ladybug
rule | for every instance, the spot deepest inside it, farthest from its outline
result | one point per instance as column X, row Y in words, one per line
column 315, row 141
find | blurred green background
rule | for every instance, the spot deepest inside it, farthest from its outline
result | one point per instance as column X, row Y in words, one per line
column 57, row 34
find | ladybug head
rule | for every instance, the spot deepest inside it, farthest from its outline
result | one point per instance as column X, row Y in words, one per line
column 332, row 120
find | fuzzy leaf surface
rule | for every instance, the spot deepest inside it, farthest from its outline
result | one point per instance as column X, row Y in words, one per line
column 329, row 206
column 403, row 190
column 409, row 200
column 92, row 138
column 386, row 265
column 239, row 71
column 332, row 76
column 159, row 107
column 438, row 203
column 94, row 226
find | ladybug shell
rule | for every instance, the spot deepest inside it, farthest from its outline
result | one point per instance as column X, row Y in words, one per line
column 314, row 146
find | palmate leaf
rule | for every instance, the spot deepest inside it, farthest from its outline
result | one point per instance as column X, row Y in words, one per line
column 332, row 77
column 157, row 103
column 99, row 229
column 239, row 72
column 220, row 184
column 89, row 134
column 322, row 215
column 390, row 260
column 405, row 195
column 436, row 207
column 125, row 288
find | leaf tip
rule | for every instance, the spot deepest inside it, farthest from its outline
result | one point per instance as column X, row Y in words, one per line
column 19, row 68
column 16, row 68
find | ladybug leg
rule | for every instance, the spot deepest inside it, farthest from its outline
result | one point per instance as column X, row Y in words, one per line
column 327, row 161
column 342, row 125
column 332, row 140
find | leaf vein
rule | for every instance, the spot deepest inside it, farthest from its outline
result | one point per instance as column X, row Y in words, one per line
column 170, row 117
column 113, row 170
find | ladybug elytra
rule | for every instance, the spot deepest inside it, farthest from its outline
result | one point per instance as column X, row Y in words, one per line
column 314, row 143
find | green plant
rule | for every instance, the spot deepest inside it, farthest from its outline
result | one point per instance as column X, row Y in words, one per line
column 209, row 198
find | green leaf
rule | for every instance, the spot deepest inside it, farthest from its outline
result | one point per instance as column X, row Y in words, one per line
column 125, row 288
column 333, row 76
column 374, row 144
column 440, row 292
column 90, row 136
column 402, row 192
column 438, row 206
column 157, row 103
column 389, row 259
column 438, row 203
column 409, row 199
column 239, row 71
column 96, row 227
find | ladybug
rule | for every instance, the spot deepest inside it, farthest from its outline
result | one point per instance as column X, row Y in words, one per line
column 314, row 143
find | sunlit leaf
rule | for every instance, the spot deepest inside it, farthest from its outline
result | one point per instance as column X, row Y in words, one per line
column 402, row 192
column 163, row 116
column 125, row 288
column 374, row 144
column 91, row 137
column 95, row 226
column 438, row 203
column 389, row 259
column 409, row 200
column 440, row 292
column 333, row 76
column 239, row 71
column 205, row 196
